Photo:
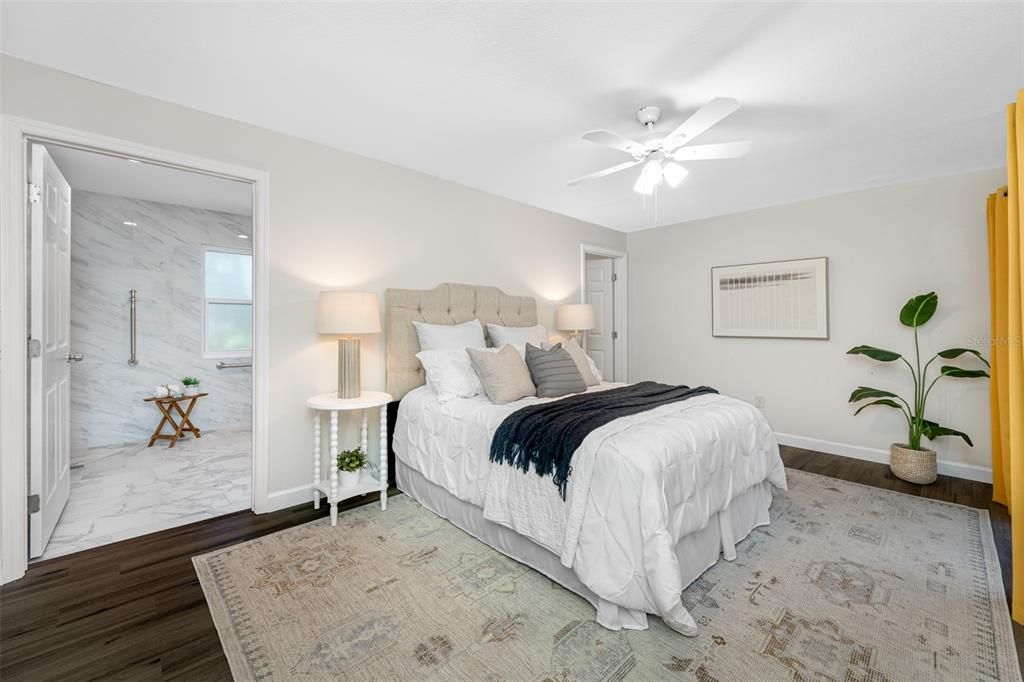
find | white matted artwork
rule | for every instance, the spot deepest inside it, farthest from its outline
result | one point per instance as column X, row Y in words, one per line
column 783, row 299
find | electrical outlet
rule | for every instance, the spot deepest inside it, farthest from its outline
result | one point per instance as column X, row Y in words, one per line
column 759, row 402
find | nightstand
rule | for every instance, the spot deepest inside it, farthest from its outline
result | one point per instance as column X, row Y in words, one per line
column 332, row 404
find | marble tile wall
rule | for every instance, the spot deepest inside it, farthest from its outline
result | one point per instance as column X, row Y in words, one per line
column 161, row 256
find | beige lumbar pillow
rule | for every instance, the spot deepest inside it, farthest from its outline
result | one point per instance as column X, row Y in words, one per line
column 580, row 358
column 503, row 373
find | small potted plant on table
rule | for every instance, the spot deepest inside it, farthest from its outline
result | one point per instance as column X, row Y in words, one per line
column 909, row 460
column 350, row 465
column 191, row 385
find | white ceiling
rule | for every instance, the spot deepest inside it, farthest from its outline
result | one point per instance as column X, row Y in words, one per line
column 836, row 96
column 91, row 172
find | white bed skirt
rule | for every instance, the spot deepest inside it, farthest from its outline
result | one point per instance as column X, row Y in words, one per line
column 696, row 552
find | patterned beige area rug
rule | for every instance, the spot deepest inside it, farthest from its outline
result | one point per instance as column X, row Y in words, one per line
column 849, row 583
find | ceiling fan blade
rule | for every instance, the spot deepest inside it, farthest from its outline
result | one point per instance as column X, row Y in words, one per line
column 707, row 152
column 614, row 140
column 707, row 116
column 607, row 171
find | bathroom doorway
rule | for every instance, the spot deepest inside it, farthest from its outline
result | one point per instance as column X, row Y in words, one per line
column 141, row 383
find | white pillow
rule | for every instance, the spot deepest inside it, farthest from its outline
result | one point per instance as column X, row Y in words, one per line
column 516, row 336
column 450, row 374
column 593, row 369
column 446, row 336
column 590, row 361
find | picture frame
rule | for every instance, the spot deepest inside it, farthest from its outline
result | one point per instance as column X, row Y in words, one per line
column 786, row 299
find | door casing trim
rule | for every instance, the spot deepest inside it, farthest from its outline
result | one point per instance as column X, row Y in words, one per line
column 15, row 134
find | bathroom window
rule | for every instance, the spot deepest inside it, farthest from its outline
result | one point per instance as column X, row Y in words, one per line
column 227, row 305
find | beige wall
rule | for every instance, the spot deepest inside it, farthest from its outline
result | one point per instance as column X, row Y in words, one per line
column 884, row 246
column 338, row 221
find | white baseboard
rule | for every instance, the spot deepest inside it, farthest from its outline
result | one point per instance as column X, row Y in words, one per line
column 289, row 497
column 971, row 472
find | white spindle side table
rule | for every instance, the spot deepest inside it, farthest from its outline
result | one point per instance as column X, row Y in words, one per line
column 332, row 404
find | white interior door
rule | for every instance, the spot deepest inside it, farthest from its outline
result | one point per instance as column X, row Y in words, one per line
column 49, row 408
column 600, row 294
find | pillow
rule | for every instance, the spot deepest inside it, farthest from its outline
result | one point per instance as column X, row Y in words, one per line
column 450, row 374
column 444, row 336
column 587, row 359
column 582, row 361
column 503, row 374
column 593, row 368
column 517, row 336
column 554, row 371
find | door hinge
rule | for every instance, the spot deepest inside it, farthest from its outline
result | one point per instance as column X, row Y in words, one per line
column 35, row 348
column 33, row 193
column 615, row 277
column 615, row 335
column 33, row 504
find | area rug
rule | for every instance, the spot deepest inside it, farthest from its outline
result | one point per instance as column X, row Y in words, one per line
column 848, row 583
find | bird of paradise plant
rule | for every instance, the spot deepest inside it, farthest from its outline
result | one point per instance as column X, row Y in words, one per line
column 915, row 314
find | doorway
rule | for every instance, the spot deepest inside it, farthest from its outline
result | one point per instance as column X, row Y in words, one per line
column 140, row 320
column 603, row 285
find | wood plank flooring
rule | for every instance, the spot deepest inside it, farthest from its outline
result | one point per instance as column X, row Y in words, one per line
column 134, row 610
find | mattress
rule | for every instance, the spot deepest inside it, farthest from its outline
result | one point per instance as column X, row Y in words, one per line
column 639, row 486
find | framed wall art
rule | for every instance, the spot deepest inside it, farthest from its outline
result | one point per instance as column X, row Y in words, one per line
column 782, row 299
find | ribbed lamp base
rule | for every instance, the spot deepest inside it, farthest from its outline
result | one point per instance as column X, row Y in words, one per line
column 348, row 368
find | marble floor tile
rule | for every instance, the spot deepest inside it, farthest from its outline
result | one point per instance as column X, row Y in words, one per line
column 125, row 491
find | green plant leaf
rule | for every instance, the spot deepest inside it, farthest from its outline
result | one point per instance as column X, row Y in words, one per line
column 951, row 353
column 864, row 392
column 885, row 401
column 932, row 430
column 879, row 354
column 919, row 309
column 961, row 373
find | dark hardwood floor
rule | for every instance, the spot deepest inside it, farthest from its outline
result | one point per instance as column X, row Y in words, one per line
column 134, row 610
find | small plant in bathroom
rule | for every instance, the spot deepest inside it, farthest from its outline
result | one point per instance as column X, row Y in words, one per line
column 191, row 385
column 350, row 465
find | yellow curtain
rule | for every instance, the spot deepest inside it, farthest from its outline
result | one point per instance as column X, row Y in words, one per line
column 1006, row 280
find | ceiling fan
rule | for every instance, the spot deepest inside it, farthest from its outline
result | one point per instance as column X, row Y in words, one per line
column 660, row 152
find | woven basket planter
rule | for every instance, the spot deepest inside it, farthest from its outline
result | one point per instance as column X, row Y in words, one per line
column 914, row 466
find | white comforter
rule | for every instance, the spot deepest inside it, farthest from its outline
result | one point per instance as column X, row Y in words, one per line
column 638, row 485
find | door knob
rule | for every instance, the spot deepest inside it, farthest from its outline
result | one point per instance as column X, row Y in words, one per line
column 74, row 357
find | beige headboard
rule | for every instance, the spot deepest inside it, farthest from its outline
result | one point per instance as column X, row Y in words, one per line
column 445, row 304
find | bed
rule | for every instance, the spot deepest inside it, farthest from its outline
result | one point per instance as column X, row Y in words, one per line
column 654, row 499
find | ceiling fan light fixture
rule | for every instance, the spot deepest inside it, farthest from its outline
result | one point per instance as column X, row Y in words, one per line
column 674, row 174
column 642, row 186
column 652, row 172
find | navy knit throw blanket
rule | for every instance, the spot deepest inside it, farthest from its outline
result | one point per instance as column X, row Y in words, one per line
column 544, row 437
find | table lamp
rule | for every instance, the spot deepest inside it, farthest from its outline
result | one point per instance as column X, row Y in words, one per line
column 575, row 317
column 348, row 313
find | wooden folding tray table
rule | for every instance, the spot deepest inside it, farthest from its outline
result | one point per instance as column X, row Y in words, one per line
column 180, row 423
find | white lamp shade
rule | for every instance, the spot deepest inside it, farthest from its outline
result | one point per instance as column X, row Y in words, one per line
column 348, row 312
column 575, row 317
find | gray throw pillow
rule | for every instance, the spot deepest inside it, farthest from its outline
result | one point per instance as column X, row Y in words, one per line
column 503, row 374
column 554, row 371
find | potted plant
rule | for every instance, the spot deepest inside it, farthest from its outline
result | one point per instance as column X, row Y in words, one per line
column 350, row 465
column 909, row 460
column 191, row 385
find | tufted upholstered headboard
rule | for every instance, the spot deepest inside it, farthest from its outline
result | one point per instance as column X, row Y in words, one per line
column 445, row 304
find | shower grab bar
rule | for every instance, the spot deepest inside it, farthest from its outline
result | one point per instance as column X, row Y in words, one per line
column 233, row 365
column 133, row 360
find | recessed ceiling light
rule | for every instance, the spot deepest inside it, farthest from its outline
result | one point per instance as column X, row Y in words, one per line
column 243, row 236
column 129, row 223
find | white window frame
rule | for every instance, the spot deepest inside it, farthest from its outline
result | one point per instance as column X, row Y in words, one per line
column 223, row 354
